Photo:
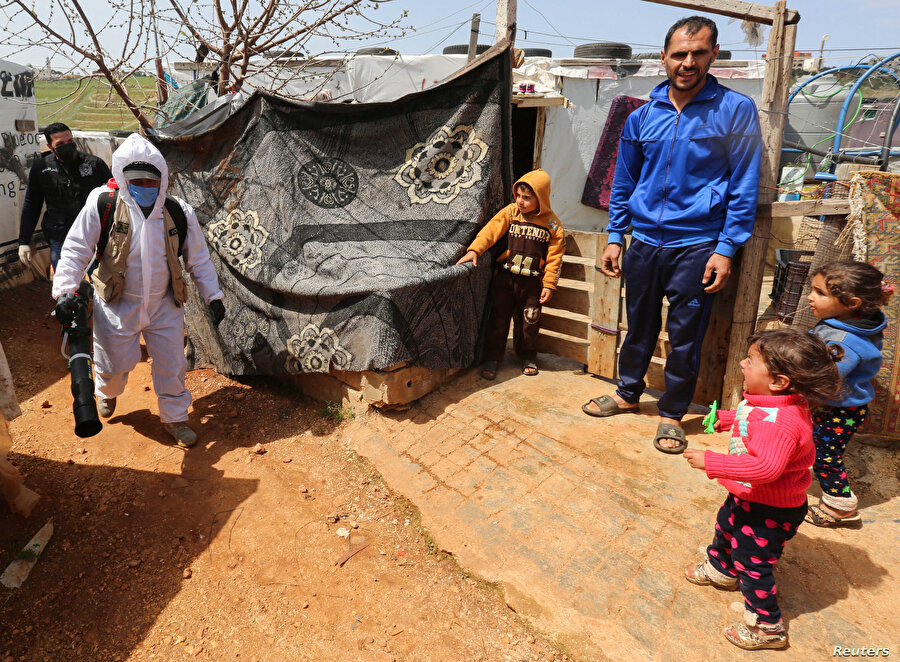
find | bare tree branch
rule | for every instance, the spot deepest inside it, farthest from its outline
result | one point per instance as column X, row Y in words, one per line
column 240, row 36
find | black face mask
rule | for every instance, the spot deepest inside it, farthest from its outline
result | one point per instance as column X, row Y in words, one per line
column 66, row 152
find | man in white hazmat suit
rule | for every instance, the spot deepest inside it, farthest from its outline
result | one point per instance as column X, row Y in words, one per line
column 149, row 300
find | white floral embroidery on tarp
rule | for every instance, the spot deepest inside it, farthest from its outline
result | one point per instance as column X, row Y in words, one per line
column 438, row 169
column 240, row 238
column 315, row 350
column 247, row 325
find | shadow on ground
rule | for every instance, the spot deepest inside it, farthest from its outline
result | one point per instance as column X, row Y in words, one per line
column 123, row 539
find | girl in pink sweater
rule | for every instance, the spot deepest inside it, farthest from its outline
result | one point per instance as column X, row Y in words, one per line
column 766, row 472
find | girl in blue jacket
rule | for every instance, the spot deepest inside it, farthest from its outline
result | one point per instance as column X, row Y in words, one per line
column 846, row 297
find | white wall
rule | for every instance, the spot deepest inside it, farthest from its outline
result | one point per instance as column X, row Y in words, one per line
column 18, row 149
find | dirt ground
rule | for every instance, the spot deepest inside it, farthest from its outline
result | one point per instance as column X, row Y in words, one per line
column 230, row 550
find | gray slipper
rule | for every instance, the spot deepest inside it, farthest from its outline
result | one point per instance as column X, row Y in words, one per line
column 669, row 431
column 607, row 406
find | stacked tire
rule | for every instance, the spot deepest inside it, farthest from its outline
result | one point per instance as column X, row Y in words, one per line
column 608, row 50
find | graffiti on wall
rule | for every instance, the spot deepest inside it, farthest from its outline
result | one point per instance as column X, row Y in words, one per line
column 12, row 162
column 19, row 85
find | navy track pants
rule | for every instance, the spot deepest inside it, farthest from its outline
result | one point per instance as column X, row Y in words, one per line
column 652, row 273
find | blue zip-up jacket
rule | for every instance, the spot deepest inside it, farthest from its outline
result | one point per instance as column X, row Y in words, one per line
column 690, row 177
column 862, row 341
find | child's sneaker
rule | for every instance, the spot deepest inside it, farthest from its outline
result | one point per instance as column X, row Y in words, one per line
column 702, row 573
column 754, row 639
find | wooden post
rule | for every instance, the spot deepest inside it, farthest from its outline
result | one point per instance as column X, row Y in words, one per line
column 162, row 92
column 540, row 124
column 773, row 114
column 473, row 36
column 603, row 335
column 506, row 21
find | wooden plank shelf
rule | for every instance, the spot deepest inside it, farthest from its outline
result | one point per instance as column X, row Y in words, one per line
column 533, row 101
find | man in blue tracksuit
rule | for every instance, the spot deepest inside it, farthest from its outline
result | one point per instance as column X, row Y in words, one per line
column 686, row 182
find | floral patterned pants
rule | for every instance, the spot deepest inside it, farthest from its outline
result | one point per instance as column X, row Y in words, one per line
column 749, row 540
column 832, row 429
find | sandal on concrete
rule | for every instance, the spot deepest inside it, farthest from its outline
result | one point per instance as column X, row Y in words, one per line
column 669, row 431
column 815, row 515
column 488, row 370
column 702, row 573
column 529, row 368
column 743, row 637
column 607, row 406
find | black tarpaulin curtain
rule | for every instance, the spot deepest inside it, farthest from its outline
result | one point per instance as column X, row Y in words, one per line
column 334, row 228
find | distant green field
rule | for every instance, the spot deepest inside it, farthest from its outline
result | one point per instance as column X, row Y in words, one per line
column 90, row 107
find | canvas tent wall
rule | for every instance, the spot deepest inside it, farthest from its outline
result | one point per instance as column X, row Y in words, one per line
column 20, row 147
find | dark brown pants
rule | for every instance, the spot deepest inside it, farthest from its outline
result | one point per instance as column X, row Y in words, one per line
column 517, row 298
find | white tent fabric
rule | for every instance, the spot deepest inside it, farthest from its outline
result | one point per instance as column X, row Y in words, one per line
column 385, row 77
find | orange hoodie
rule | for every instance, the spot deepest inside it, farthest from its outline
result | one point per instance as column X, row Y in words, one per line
column 544, row 218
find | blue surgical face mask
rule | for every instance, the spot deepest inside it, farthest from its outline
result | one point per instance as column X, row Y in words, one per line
column 144, row 196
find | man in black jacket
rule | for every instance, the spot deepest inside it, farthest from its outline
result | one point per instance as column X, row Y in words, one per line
column 62, row 179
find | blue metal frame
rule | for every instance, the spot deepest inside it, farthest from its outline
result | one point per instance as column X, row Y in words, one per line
column 851, row 94
column 844, row 68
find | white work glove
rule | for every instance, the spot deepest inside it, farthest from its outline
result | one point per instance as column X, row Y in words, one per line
column 25, row 254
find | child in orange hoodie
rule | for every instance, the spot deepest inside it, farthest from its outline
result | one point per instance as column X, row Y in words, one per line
column 535, row 243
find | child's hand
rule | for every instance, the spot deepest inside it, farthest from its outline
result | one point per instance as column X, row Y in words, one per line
column 546, row 295
column 470, row 256
column 695, row 458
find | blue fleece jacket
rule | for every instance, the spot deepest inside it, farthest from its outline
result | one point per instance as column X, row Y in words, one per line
column 861, row 340
column 690, row 177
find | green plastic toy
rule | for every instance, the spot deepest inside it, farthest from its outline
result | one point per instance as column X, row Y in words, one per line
column 710, row 419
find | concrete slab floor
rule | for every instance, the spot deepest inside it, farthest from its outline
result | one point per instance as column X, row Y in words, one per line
column 587, row 528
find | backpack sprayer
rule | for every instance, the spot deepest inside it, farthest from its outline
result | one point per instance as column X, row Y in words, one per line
column 72, row 313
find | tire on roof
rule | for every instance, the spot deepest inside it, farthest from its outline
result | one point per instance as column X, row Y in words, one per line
column 377, row 50
column 604, row 49
column 463, row 49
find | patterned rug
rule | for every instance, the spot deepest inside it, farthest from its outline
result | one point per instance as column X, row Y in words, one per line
column 877, row 194
column 335, row 228
column 599, row 182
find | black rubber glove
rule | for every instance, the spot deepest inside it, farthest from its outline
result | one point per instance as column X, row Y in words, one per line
column 218, row 311
column 65, row 308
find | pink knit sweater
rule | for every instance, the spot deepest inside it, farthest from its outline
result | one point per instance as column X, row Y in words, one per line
column 770, row 452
